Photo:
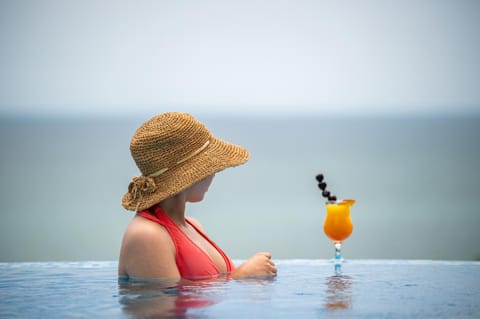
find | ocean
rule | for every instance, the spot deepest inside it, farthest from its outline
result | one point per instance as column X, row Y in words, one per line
column 416, row 181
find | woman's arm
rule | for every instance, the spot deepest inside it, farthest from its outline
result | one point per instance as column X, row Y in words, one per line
column 258, row 265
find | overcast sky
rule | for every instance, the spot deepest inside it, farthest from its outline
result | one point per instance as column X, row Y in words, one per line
column 106, row 57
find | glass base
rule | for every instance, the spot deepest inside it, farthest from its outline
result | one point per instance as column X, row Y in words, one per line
column 338, row 260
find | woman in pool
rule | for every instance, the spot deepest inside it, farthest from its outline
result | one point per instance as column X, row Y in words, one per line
column 178, row 158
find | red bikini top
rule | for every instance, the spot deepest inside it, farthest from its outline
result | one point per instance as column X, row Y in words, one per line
column 193, row 263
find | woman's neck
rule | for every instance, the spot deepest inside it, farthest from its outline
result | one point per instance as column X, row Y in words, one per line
column 174, row 207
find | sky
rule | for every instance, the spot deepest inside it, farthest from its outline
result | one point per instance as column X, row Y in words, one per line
column 308, row 56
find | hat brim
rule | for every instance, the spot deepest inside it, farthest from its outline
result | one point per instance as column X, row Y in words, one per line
column 217, row 156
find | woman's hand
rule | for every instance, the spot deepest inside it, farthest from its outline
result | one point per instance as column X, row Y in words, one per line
column 258, row 265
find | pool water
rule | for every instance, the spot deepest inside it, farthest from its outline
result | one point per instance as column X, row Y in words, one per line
column 302, row 289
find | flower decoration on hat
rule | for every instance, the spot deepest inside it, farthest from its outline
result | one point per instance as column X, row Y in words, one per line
column 141, row 186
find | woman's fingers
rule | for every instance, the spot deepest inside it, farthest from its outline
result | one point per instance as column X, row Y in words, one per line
column 266, row 254
column 268, row 264
column 271, row 269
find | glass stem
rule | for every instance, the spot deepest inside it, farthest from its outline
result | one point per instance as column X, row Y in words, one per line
column 338, row 258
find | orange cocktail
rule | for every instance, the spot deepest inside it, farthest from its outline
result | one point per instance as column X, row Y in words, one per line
column 338, row 224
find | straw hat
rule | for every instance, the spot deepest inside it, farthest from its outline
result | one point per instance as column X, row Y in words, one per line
column 174, row 151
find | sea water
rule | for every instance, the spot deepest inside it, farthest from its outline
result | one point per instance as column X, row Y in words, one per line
column 302, row 289
column 416, row 182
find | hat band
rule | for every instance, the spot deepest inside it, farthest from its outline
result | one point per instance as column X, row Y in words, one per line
column 163, row 170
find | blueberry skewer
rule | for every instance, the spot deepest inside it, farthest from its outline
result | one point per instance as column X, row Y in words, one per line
column 323, row 186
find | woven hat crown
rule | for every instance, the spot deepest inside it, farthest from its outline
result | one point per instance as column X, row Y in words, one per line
column 165, row 139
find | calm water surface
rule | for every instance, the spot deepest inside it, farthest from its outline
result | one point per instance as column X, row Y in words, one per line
column 302, row 289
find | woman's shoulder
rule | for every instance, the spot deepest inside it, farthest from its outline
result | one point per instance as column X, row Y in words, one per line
column 143, row 230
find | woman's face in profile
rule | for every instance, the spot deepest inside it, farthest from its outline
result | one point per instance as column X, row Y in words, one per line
column 196, row 192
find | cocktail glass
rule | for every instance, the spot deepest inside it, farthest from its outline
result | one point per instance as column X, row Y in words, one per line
column 338, row 226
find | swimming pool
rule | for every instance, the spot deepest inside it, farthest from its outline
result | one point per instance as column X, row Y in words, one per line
column 302, row 289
